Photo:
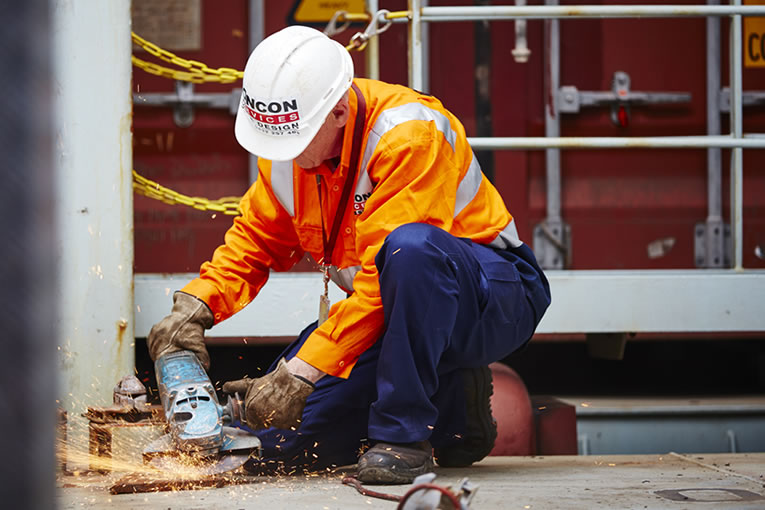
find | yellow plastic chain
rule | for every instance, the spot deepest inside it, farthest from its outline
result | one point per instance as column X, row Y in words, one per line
column 199, row 72
column 151, row 189
column 196, row 72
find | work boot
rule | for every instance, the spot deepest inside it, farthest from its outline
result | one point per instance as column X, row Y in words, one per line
column 481, row 428
column 395, row 463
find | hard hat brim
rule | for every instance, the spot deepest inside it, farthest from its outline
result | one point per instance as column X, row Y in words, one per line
column 276, row 148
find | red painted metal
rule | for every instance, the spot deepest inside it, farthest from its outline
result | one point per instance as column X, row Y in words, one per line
column 554, row 427
column 616, row 201
column 511, row 408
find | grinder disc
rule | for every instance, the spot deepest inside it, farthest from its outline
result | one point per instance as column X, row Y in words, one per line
column 236, row 448
column 190, row 466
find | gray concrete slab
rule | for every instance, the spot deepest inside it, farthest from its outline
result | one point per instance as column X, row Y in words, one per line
column 703, row 481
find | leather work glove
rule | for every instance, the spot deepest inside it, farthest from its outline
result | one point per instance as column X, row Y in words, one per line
column 183, row 329
column 275, row 400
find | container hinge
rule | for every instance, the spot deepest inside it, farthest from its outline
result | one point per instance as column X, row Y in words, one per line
column 184, row 100
column 620, row 98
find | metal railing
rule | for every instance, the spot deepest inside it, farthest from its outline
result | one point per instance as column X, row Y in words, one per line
column 736, row 141
column 587, row 301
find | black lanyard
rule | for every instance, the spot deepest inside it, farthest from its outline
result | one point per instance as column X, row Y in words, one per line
column 350, row 180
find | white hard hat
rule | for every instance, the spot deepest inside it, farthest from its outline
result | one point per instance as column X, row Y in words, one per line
column 291, row 82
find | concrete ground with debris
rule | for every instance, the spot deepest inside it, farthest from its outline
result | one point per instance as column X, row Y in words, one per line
column 615, row 481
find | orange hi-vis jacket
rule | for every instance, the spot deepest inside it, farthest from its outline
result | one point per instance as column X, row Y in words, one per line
column 415, row 167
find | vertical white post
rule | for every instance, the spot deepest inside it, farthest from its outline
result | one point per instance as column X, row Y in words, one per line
column 372, row 53
column 737, row 131
column 415, row 46
column 93, row 152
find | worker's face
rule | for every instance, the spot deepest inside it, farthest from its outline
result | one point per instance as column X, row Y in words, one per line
column 328, row 142
column 321, row 147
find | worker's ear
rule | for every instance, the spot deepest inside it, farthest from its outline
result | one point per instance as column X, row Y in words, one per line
column 340, row 113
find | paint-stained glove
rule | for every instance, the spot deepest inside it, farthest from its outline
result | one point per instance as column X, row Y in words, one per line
column 183, row 329
column 275, row 400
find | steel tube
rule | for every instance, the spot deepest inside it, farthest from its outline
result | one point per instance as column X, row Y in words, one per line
column 715, row 231
column 425, row 53
column 714, row 161
column 372, row 53
column 552, row 120
column 473, row 13
column 605, row 142
column 415, row 46
column 737, row 130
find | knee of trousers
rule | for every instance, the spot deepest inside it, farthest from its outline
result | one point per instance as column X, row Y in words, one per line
column 410, row 248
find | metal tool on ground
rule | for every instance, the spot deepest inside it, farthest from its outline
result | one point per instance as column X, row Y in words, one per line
column 424, row 494
column 199, row 441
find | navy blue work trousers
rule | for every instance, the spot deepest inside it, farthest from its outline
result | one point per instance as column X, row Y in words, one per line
column 449, row 304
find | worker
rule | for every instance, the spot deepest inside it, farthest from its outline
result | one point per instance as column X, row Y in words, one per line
column 378, row 183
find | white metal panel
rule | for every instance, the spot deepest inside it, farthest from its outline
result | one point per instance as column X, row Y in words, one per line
column 94, row 205
column 287, row 304
column 655, row 301
column 583, row 301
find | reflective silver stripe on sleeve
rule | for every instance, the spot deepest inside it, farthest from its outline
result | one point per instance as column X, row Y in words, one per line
column 343, row 278
column 508, row 238
column 392, row 117
column 469, row 185
column 281, row 183
column 363, row 186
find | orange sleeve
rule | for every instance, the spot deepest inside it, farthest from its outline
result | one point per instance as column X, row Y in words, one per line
column 261, row 239
column 416, row 180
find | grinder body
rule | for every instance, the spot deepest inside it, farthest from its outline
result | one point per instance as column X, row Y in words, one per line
column 196, row 421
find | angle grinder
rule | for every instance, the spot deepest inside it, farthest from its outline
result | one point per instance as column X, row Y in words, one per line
column 200, row 437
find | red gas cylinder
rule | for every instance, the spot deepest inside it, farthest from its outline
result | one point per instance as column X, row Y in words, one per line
column 511, row 407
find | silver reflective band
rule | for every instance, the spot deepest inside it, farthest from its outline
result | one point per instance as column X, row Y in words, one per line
column 508, row 238
column 392, row 117
column 468, row 186
column 281, row 183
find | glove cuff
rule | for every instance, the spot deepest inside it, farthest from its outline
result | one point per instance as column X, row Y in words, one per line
column 196, row 309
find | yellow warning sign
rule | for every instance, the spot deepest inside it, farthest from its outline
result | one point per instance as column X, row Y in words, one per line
column 321, row 11
column 754, row 38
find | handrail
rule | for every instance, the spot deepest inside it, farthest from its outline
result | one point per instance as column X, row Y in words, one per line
column 616, row 142
column 504, row 12
column 737, row 141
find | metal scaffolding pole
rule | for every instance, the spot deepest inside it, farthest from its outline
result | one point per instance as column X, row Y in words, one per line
column 737, row 131
column 608, row 142
column 714, row 228
column 416, row 64
column 372, row 53
column 473, row 13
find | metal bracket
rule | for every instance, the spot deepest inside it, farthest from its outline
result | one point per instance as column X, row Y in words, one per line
column 606, row 345
column 184, row 100
column 620, row 98
column 711, row 244
column 552, row 244
column 751, row 98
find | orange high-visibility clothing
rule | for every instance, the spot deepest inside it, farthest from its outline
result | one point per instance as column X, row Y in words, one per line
column 415, row 166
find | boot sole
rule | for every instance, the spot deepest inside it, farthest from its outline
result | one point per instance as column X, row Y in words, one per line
column 462, row 455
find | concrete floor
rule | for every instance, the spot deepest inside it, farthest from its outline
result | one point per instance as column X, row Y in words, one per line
column 702, row 481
